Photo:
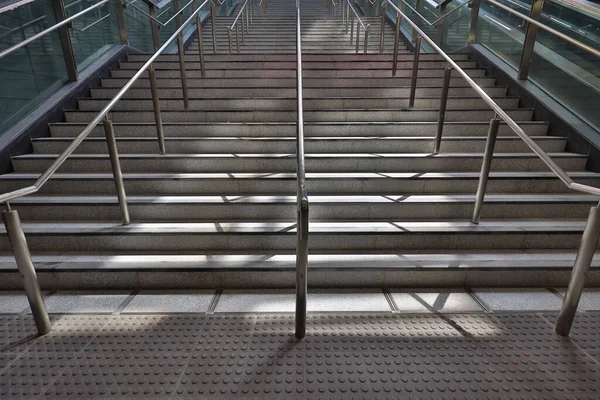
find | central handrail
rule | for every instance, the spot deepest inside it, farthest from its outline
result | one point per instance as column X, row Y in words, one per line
column 238, row 15
column 230, row 29
column 5, row 197
column 346, row 21
column 302, row 197
column 558, row 171
column 356, row 14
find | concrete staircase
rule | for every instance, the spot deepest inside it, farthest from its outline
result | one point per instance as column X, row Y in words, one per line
column 219, row 209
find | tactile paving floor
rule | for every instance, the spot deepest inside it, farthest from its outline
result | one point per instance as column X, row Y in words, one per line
column 344, row 356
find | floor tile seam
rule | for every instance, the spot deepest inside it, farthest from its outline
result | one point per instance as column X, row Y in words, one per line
column 477, row 300
column 214, row 301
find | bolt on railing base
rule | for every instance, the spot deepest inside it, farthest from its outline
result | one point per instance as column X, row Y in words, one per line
column 14, row 229
column 587, row 248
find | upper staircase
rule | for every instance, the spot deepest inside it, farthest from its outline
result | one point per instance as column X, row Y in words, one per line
column 219, row 208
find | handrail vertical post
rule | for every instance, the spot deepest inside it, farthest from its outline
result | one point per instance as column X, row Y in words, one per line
column 529, row 42
column 65, row 41
column 351, row 28
column 122, row 20
column 242, row 28
column 396, row 44
column 178, row 16
column 357, row 35
column 589, row 241
column 200, row 45
column 415, row 73
column 213, row 11
column 157, row 114
column 111, row 143
column 154, row 24
column 229, row 36
column 382, row 33
column 485, row 167
column 184, row 85
column 473, row 21
column 237, row 38
column 18, row 242
column 367, row 38
column 442, row 113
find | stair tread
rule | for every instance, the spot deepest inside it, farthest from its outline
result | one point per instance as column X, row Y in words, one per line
column 314, row 199
column 289, row 228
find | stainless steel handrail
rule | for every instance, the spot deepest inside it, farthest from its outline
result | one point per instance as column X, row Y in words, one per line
column 346, row 21
column 5, row 197
column 562, row 175
column 54, row 27
column 440, row 19
column 548, row 29
column 591, row 233
column 234, row 25
column 302, row 197
column 96, row 22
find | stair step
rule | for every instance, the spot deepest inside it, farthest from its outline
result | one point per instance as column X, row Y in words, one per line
column 285, row 183
column 324, row 162
column 357, row 208
column 144, row 93
column 286, row 103
column 321, row 129
column 288, row 144
column 306, row 58
column 275, row 236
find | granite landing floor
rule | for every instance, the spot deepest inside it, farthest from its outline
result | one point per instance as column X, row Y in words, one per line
column 376, row 344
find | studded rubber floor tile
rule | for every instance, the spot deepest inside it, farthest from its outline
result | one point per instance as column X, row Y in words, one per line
column 343, row 356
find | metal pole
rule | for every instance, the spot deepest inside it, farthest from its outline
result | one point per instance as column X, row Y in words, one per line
column 587, row 248
column 529, row 43
column 396, row 44
column 111, row 143
column 357, row 34
column 178, row 16
column 442, row 114
column 214, row 30
column 473, row 22
column 352, row 28
column 200, row 45
column 65, row 41
column 155, row 37
column 157, row 114
column 242, row 22
column 184, row 86
column 382, row 34
column 120, row 9
column 229, row 35
column 347, row 7
column 18, row 242
column 248, row 14
column 237, row 38
column 366, row 37
column 301, row 270
column 485, row 167
column 415, row 72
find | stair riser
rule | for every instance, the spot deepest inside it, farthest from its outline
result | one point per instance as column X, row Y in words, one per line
column 270, row 130
column 194, row 64
column 157, row 187
column 414, row 115
column 288, row 82
column 291, row 73
column 287, row 212
column 144, row 243
column 306, row 58
column 109, row 93
column 272, row 165
column 290, row 103
column 289, row 146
